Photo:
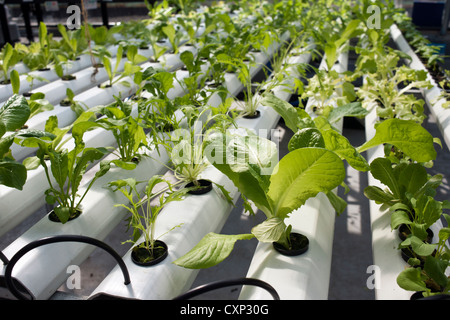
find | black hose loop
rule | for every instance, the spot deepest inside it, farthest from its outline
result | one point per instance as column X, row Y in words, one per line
column 227, row 283
column 53, row 239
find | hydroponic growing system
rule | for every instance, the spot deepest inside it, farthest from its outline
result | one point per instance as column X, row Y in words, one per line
column 106, row 125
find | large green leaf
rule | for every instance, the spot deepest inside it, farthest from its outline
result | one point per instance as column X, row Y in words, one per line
column 12, row 174
column 211, row 250
column 270, row 230
column 302, row 174
column 14, row 113
column 407, row 135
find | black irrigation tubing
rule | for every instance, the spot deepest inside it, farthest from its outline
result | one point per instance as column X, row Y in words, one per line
column 4, row 258
column 61, row 238
column 227, row 283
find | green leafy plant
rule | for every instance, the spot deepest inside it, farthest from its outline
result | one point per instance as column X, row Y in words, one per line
column 64, row 169
column 103, row 36
column 9, row 57
column 112, row 71
column 407, row 135
column 185, row 6
column 403, row 182
column 30, row 78
column 39, row 55
column 329, row 87
column 62, row 66
column 186, row 146
column 251, row 101
column 388, row 90
column 152, row 37
column 159, row 11
column 409, row 195
column 13, row 115
column 127, row 129
column 195, row 80
column 276, row 188
column 76, row 106
column 38, row 104
column 158, row 110
column 73, row 43
column 173, row 35
column 144, row 212
column 334, row 39
column 429, row 279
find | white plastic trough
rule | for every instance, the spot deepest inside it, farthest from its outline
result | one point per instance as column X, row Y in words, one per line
column 304, row 277
column 96, row 225
column 386, row 255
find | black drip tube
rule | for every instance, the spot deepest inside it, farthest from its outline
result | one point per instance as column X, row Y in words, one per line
column 60, row 238
column 227, row 283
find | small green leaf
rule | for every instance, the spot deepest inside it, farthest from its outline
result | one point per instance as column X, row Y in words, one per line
column 411, row 279
column 435, row 269
column 307, row 137
column 15, row 81
column 337, row 202
column 378, row 195
column 124, row 164
column 15, row 112
column 63, row 214
column 421, row 248
column 210, row 251
column 12, row 174
column 270, row 230
column 353, row 109
column 399, row 217
column 284, row 109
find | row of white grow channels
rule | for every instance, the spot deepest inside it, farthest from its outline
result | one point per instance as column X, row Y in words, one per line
column 386, row 255
column 431, row 95
column 16, row 206
column 199, row 215
column 98, row 197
